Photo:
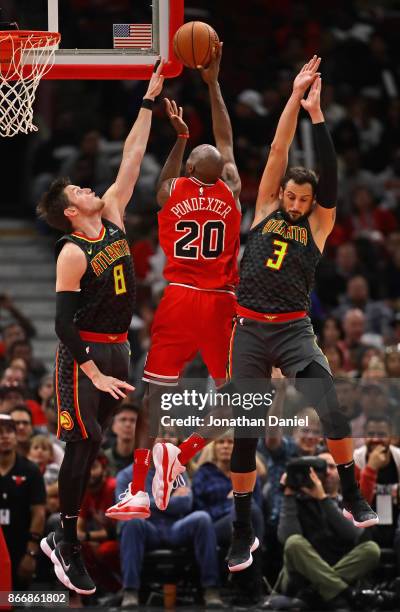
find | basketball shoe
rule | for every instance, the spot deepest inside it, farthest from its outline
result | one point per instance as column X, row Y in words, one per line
column 168, row 470
column 244, row 542
column 70, row 569
column 357, row 509
column 130, row 506
column 49, row 543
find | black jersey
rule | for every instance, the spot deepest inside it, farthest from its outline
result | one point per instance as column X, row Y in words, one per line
column 108, row 286
column 278, row 266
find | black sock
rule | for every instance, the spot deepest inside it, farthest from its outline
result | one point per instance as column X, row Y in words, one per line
column 347, row 479
column 242, row 503
column 69, row 524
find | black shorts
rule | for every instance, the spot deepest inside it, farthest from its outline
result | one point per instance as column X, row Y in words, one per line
column 257, row 346
column 83, row 410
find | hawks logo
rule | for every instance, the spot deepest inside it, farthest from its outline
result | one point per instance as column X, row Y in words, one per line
column 66, row 421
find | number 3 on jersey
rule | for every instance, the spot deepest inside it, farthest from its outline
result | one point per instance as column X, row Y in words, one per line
column 119, row 280
column 280, row 253
column 212, row 236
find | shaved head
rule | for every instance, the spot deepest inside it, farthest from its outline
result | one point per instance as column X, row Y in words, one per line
column 205, row 163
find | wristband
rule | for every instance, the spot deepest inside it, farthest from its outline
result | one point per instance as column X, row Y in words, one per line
column 183, row 135
column 147, row 103
column 87, row 536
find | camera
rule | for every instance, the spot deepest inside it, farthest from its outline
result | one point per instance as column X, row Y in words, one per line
column 298, row 472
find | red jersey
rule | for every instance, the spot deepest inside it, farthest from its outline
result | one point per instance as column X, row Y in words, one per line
column 199, row 227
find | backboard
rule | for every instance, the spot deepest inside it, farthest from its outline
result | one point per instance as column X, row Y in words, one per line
column 103, row 39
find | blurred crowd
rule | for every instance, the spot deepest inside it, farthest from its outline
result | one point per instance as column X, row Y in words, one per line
column 308, row 547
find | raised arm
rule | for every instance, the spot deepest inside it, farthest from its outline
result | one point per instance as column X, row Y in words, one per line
column 173, row 164
column 268, row 191
column 221, row 122
column 322, row 219
column 119, row 194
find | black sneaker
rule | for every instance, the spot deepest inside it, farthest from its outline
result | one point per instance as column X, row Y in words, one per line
column 243, row 544
column 359, row 511
column 70, row 569
column 49, row 543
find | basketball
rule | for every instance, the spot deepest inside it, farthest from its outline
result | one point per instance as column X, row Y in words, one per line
column 193, row 43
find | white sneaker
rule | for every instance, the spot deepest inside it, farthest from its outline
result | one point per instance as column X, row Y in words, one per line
column 168, row 468
column 130, row 506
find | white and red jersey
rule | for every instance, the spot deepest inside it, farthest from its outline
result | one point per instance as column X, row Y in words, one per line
column 199, row 232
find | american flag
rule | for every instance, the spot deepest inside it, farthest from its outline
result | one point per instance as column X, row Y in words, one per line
column 132, row 35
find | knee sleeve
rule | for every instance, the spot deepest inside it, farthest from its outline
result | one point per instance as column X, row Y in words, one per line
column 243, row 458
column 321, row 394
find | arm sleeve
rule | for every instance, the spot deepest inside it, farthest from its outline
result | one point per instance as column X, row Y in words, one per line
column 289, row 523
column 327, row 187
column 66, row 306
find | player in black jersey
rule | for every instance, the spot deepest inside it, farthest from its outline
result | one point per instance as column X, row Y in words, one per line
column 295, row 214
column 95, row 288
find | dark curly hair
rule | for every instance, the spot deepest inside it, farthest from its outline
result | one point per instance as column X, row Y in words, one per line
column 300, row 176
column 52, row 205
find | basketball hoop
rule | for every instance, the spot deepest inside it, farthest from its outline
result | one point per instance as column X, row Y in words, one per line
column 25, row 57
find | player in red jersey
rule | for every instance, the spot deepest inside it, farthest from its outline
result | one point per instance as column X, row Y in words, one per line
column 199, row 226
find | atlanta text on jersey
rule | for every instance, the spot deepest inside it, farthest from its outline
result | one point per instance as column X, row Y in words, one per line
column 290, row 232
column 108, row 255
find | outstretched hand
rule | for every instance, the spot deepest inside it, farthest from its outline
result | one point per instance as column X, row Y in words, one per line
column 175, row 115
column 312, row 104
column 156, row 82
column 307, row 75
column 210, row 74
column 111, row 385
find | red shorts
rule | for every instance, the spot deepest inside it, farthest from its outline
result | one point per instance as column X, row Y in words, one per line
column 188, row 321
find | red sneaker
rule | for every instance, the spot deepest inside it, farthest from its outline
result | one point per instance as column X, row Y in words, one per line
column 130, row 506
column 168, row 469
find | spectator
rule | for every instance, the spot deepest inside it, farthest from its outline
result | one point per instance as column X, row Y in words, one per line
column 43, row 404
column 120, row 453
column 331, row 333
column 353, row 343
column 332, row 276
column 22, row 501
column 22, row 417
column 378, row 316
column 97, row 532
column 35, row 368
column 335, row 359
column 175, row 527
column 88, row 166
column 212, row 491
column 373, row 400
column 20, row 320
column 369, row 220
column 277, row 450
column 41, row 453
column 378, row 471
column 392, row 367
column 347, row 391
column 10, row 397
column 352, row 175
column 320, row 544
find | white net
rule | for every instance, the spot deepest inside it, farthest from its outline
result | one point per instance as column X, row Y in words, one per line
column 25, row 57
